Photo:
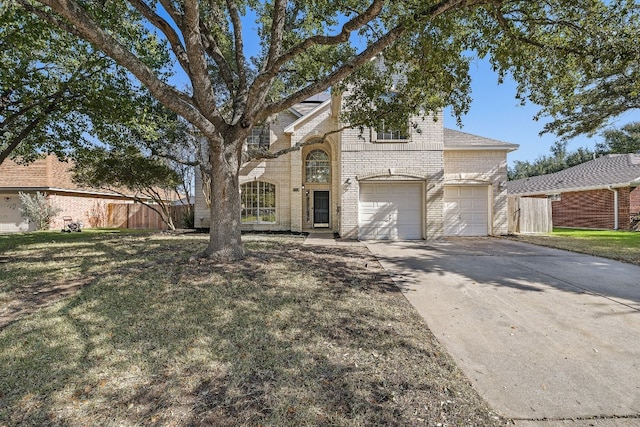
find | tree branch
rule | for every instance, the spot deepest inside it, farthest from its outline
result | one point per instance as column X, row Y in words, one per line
column 338, row 75
column 13, row 144
column 239, row 43
column 86, row 28
column 350, row 67
column 277, row 31
column 210, row 44
column 241, row 93
column 272, row 155
column 199, row 74
column 276, row 61
column 166, row 29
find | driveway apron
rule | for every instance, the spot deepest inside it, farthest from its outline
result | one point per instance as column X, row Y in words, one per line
column 543, row 334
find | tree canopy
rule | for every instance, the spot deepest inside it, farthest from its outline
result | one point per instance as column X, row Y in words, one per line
column 616, row 141
column 58, row 93
column 558, row 160
column 554, row 50
column 129, row 171
column 621, row 141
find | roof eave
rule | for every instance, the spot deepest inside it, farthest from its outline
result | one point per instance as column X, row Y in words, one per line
column 292, row 127
column 548, row 192
column 481, row 148
column 68, row 190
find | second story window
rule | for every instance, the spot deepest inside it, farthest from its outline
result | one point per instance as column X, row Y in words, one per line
column 259, row 138
column 384, row 133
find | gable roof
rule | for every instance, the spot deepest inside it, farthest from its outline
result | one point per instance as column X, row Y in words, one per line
column 610, row 171
column 456, row 140
column 307, row 115
column 305, row 107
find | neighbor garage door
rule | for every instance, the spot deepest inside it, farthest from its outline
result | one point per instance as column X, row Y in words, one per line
column 466, row 211
column 10, row 217
column 390, row 211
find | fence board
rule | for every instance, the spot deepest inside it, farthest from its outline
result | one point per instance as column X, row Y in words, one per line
column 139, row 216
column 529, row 215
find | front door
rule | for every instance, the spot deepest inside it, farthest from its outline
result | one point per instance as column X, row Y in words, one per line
column 321, row 209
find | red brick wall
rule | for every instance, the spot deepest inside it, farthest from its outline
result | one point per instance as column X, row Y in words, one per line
column 634, row 200
column 90, row 210
column 591, row 209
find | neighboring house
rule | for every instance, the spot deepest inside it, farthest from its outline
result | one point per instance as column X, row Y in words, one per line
column 600, row 194
column 51, row 176
column 414, row 183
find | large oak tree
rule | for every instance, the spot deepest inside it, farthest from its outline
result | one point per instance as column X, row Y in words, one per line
column 58, row 93
column 309, row 46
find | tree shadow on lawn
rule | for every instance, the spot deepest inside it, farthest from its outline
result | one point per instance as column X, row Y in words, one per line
column 291, row 335
column 43, row 280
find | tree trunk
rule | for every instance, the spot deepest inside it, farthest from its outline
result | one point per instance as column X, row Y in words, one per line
column 225, row 239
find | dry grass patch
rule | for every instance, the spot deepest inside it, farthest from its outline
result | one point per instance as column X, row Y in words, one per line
column 290, row 336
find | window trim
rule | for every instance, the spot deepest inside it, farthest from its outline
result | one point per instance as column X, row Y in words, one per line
column 306, row 167
column 263, row 136
column 256, row 211
column 375, row 135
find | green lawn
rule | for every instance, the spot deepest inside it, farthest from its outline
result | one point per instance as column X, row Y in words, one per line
column 15, row 240
column 107, row 328
column 619, row 245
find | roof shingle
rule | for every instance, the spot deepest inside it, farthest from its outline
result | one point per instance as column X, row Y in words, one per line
column 454, row 139
column 612, row 170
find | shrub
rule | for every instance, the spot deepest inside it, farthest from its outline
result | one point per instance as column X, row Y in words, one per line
column 36, row 208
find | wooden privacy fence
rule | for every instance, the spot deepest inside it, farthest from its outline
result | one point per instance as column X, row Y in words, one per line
column 139, row 216
column 529, row 215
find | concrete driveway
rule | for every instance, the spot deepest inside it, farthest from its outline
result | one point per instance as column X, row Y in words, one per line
column 543, row 334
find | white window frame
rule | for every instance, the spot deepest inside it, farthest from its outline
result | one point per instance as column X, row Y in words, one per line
column 259, row 138
column 318, row 166
column 255, row 204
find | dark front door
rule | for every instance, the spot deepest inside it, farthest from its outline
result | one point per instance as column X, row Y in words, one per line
column 320, row 208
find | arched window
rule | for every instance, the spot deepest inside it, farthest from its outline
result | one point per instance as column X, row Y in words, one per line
column 317, row 167
column 258, row 202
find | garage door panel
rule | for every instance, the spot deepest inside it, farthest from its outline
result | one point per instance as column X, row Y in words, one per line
column 11, row 219
column 466, row 211
column 390, row 211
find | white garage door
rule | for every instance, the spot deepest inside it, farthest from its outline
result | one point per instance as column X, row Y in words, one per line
column 10, row 218
column 390, row 211
column 466, row 211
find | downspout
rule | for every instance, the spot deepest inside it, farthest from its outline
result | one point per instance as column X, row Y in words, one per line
column 615, row 207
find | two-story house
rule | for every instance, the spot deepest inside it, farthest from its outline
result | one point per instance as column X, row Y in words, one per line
column 425, row 183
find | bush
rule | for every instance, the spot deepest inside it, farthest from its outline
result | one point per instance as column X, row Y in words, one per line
column 36, row 208
column 188, row 219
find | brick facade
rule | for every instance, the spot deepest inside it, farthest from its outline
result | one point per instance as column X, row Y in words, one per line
column 357, row 158
column 52, row 177
column 593, row 209
column 585, row 195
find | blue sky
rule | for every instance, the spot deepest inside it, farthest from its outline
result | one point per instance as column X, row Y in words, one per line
column 495, row 113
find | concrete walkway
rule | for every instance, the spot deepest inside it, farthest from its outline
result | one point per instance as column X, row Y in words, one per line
column 327, row 239
column 547, row 337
